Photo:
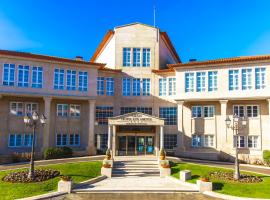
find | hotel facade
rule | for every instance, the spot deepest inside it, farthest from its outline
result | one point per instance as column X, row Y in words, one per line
column 135, row 95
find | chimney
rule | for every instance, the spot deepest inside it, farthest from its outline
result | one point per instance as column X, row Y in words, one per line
column 79, row 58
column 192, row 60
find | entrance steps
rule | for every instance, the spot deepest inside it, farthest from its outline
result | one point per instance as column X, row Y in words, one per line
column 135, row 168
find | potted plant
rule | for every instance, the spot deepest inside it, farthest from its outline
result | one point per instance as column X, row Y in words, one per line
column 164, row 164
column 65, row 184
column 108, row 154
column 66, row 178
column 106, row 164
column 204, row 178
column 162, row 154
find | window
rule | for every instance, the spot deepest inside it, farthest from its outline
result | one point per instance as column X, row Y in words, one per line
column 260, row 78
column 246, row 79
column 169, row 114
column 146, row 110
column 162, row 86
column 109, row 86
column 30, row 108
column 28, row 139
column 146, row 86
column 252, row 111
column 62, row 110
column 208, row 111
column 240, row 141
column 146, row 57
column 196, row 111
column 126, row 86
column 136, row 57
column 15, row 140
column 16, row 108
column 253, row 142
column 23, row 76
column 197, row 141
column 208, row 140
column 189, row 82
column 100, row 85
column 75, row 110
column 74, row 140
column 103, row 113
column 239, row 111
column 172, row 86
column 170, row 141
column 233, row 79
column 59, row 79
column 101, row 142
column 126, row 57
column 212, row 81
column 83, row 81
column 37, row 77
column 71, row 80
column 200, row 81
column 9, row 75
column 61, row 140
column 136, row 86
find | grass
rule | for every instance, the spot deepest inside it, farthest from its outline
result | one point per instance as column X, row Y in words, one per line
column 255, row 190
column 79, row 172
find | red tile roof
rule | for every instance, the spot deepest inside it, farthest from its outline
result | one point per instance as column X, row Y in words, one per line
column 110, row 70
column 161, row 71
column 46, row 57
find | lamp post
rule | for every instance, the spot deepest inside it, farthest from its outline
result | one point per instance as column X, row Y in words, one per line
column 237, row 124
column 32, row 122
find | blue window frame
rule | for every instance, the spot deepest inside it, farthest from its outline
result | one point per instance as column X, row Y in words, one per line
column 37, row 77
column 200, row 80
column 162, row 86
column 260, row 74
column 74, row 140
column 126, row 86
column 83, row 81
column 169, row 114
column 212, row 81
column 100, row 85
column 246, row 79
column 109, row 86
column 23, row 76
column 15, row 140
column 233, row 79
column 9, row 75
column 71, row 80
column 59, row 79
column 189, row 82
column 28, row 139
column 103, row 113
column 172, row 86
column 146, row 57
column 126, row 57
column 146, row 86
column 196, row 111
column 136, row 57
column 136, row 82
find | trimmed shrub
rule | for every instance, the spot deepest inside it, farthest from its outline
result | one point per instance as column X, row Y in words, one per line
column 266, row 156
column 57, row 152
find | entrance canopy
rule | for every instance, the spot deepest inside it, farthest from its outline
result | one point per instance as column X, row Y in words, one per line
column 136, row 118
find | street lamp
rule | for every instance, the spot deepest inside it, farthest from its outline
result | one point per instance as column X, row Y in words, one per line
column 237, row 124
column 32, row 122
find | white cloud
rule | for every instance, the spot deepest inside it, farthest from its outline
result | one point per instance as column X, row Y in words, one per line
column 260, row 46
column 12, row 38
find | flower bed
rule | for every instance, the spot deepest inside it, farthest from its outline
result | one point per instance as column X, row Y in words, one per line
column 244, row 178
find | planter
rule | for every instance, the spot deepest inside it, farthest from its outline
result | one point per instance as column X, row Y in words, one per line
column 65, row 186
column 204, row 186
column 204, row 179
column 164, row 172
column 106, row 172
column 161, row 157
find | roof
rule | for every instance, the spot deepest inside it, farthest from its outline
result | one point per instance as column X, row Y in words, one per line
column 134, row 23
column 222, row 61
column 109, row 69
column 162, row 71
column 102, row 44
column 170, row 45
column 46, row 57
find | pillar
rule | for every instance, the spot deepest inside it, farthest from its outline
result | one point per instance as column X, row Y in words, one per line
column 46, row 128
column 161, row 137
column 180, row 123
column 109, row 137
column 114, row 141
column 222, row 129
column 91, row 127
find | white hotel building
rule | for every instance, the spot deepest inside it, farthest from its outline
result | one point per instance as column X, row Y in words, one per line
column 136, row 90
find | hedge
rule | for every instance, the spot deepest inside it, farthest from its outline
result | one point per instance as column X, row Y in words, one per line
column 57, row 152
column 266, row 156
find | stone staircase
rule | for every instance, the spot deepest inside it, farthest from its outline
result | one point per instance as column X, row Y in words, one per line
column 135, row 168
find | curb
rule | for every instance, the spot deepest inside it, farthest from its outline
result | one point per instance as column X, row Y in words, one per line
column 228, row 197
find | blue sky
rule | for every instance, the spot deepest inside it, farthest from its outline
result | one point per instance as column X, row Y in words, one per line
column 201, row 29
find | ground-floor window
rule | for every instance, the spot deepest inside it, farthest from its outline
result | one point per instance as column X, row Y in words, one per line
column 170, row 141
column 239, row 141
column 20, row 140
column 68, row 140
column 202, row 140
column 101, row 142
column 251, row 141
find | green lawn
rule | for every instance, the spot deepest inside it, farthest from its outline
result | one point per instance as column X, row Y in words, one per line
column 79, row 172
column 255, row 190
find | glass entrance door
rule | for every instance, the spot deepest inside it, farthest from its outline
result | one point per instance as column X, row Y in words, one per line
column 149, row 147
column 140, row 145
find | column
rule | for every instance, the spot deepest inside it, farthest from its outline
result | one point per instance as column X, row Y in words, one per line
column 91, row 127
column 222, row 129
column 46, row 128
column 114, row 141
column 161, row 137
column 180, row 122
column 109, row 137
